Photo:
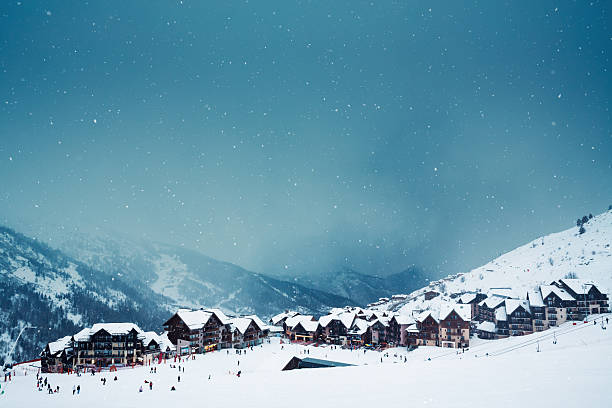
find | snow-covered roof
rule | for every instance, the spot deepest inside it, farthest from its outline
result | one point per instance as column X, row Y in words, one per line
column 500, row 314
column 285, row 315
column 241, row 324
column 492, row 301
column 165, row 342
column 467, row 298
column 546, row 290
column 579, row 286
column 258, row 321
column 486, row 327
column 309, row 325
column 327, row 319
column 359, row 327
column 412, row 328
column 149, row 336
column 513, row 304
column 464, row 311
column 220, row 315
column 424, row 314
column 115, row 328
column 194, row 319
column 293, row 321
column 504, row 292
column 83, row 335
column 347, row 319
column 59, row 344
column 404, row 319
column 535, row 298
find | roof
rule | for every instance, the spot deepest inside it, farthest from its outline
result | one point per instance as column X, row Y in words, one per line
column 83, row 335
column 194, row 319
column 504, row 292
column 115, row 328
column 327, row 363
column 220, row 315
column 327, row 319
column 423, row 315
column 466, row 298
column 535, row 298
column 258, row 322
column 500, row 314
column 546, row 290
column 309, row 325
column 59, row 344
column 359, row 327
column 241, row 324
column 166, row 343
column 579, row 286
column 285, row 315
column 486, row 327
column 412, row 328
column 347, row 319
column 464, row 311
column 492, row 301
column 149, row 336
column 404, row 319
column 513, row 304
column 293, row 321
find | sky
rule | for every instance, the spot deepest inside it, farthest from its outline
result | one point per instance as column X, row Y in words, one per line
column 303, row 136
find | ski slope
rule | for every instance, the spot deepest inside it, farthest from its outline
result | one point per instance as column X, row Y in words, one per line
column 576, row 371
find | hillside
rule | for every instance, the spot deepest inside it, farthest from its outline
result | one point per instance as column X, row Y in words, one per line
column 188, row 278
column 545, row 259
column 43, row 288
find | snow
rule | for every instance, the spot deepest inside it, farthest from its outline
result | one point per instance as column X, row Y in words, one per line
column 194, row 319
column 513, row 304
column 500, row 314
column 546, row 290
column 577, row 367
column 539, row 262
column 464, row 311
column 487, row 327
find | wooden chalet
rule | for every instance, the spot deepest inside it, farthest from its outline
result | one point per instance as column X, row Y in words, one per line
column 57, row 356
column 519, row 317
column 107, row 344
column 428, row 329
column 199, row 331
column 454, row 325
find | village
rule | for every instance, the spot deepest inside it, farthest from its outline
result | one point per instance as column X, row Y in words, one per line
column 108, row 346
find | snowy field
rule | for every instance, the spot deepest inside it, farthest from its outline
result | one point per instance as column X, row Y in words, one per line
column 576, row 371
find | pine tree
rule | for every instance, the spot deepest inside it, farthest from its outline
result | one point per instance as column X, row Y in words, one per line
column 581, row 230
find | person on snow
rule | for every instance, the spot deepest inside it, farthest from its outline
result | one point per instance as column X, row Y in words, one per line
column 173, row 389
column 73, row 389
column 179, row 378
column 140, row 389
column 78, row 389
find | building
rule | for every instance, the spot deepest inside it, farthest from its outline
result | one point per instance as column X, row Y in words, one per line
column 107, row 344
column 428, row 329
column 560, row 306
column 590, row 299
column 538, row 310
column 454, row 325
column 197, row 331
column 487, row 307
column 306, row 331
column 57, row 356
column 472, row 299
column 245, row 332
column 519, row 317
column 501, row 322
column 404, row 321
column 359, row 334
column 486, row 330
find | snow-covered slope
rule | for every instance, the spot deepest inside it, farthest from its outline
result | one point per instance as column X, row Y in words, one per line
column 545, row 259
column 189, row 278
column 500, row 373
column 44, row 288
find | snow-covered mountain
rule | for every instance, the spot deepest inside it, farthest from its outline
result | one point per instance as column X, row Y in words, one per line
column 543, row 260
column 363, row 288
column 188, row 278
column 43, row 288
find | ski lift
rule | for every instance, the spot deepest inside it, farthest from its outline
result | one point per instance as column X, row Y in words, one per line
column 538, row 349
column 554, row 338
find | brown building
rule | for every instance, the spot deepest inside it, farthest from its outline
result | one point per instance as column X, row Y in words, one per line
column 590, row 299
column 199, row 330
column 454, row 325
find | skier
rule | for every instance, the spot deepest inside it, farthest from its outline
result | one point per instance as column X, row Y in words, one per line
column 173, row 389
column 179, row 378
column 150, row 385
column 73, row 389
column 140, row 389
column 78, row 389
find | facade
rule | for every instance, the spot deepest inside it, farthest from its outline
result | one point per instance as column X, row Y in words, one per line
column 486, row 308
column 472, row 299
column 57, row 356
column 245, row 332
column 107, row 344
column 519, row 317
column 428, row 329
column 454, row 325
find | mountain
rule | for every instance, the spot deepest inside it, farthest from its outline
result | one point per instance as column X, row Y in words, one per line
column 43, row 288
column 364, row 288
column 190, row 279
column 541, row 261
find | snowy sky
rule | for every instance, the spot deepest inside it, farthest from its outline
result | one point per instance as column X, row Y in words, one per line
column 306, row 135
